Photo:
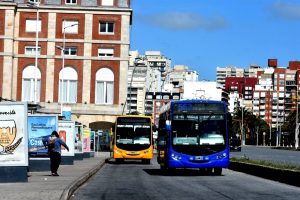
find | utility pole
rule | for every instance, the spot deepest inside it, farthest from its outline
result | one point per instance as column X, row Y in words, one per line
column 297, row 123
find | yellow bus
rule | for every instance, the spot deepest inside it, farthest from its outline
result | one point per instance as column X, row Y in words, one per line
column 133, row 138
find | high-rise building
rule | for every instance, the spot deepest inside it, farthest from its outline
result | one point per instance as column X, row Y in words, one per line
column 178, row 75
column 81, row 59
column 146, row 74
column 224, row 72
column 241, row 91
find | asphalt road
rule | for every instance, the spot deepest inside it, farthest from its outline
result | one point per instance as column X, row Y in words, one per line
column 267, row 154
column 136, row 181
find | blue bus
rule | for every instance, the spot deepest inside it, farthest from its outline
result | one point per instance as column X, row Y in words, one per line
column 193, row 134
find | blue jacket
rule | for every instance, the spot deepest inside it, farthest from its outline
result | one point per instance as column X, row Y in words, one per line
column 57, row 144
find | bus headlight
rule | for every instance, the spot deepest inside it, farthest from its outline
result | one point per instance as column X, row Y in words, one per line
column 176, row 157
column 224, row 155
column 118, row 151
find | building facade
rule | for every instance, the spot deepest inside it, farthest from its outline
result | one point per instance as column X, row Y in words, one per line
column 146, row 74
column 81, row 60
column 240, row 89
column 224, row 72
column 276, row 95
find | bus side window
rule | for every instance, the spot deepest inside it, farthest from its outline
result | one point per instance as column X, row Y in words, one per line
column 161, row 140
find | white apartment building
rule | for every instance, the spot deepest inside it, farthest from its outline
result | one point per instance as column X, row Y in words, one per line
column 175, row 78
column 146, row 74
column 231, row 71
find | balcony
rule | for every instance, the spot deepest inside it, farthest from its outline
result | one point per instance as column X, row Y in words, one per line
column 255, row 102
column 262, row 107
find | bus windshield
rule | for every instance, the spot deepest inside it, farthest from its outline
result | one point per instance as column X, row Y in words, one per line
column 133, row 134
column 198, row 130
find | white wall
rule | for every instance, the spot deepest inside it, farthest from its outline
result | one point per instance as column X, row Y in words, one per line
column 202, row 90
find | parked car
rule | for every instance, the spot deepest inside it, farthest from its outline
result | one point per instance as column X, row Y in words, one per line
column 235, row 144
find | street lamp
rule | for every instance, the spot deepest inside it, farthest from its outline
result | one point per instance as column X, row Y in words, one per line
column 63, row 48
column 241, row 104
column 36, row 5
column 277, row 133
column 243, row 134
column 297, row 123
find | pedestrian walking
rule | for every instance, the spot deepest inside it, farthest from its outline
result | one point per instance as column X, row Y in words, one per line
column 54, row 144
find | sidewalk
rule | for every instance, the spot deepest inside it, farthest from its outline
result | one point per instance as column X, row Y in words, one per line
column 42, row 186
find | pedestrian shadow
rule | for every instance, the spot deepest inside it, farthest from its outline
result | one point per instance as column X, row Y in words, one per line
column 178, row 172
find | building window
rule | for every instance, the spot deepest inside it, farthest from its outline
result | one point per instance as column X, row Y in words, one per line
column 106, row 27
column 30, row 50
column 281, row 75
column 107, row 2
column 31, row 25
column 71, row 1
column 34, row 1
column 70, row 26
column 68, row 90
column 104, row 86
column 281, row 88
column 105, row 52
column 28, row 83
column 70, row 51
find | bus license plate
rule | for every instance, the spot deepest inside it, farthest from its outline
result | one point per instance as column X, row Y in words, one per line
column 199, row 158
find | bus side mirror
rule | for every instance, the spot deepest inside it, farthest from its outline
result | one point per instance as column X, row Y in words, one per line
column 154, row 128
column 168, row 122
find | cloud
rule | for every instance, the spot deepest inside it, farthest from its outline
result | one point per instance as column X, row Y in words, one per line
column 184, row 21
column 285, row 10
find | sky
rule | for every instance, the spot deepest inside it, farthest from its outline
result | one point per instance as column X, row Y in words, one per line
column 206, row 34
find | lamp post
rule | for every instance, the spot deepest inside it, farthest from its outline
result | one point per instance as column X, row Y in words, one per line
column 35, row 5
column 297, row 123
column 270, row 136
column 242, row 128
column 277, row 133
column 63, row 48
column 243, row 134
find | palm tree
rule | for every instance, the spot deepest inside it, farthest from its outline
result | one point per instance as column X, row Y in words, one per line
column 251, row 124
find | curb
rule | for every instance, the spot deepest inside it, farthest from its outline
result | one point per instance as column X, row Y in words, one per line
column 70, row 189
column 290, row 177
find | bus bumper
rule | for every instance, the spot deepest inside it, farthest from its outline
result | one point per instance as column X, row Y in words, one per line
column 123, row 154
column 220, row 159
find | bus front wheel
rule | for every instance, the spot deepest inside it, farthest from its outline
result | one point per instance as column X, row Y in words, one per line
column 119, row 160
column 146, row 161
column 218, row 171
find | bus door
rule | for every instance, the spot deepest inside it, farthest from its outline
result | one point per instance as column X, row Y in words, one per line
column 162, row 147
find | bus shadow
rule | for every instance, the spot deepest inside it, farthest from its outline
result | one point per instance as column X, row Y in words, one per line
column 178, row 172
column 125, row 162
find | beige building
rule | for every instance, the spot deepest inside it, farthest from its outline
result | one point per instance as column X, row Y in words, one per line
column 81, row 60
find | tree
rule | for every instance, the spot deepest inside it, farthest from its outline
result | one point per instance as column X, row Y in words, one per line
column 251, row 124
column 289, row 127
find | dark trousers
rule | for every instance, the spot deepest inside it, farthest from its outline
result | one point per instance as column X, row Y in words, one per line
column 55, row 159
